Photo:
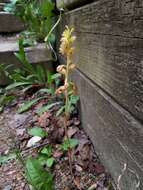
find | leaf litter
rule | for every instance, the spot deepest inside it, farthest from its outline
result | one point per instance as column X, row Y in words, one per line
column 89, row 173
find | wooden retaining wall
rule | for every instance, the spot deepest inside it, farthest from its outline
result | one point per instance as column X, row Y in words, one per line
column 109, row 57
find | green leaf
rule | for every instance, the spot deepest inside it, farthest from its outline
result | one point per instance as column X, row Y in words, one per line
column 10, row 7
column 22, row 57
column 40, row 72
column 69, row 144
column 47, row 151
column 39, row 178
column 72, row 103
column 55, row 76
column 73, row 143
column 42, row 158
column 17, row 84
column 28, row 105
column 46, row 108
column 49, row 78
column 37, row 131
column 6, row 99
column 50, row 162
column 60, row 111
column 27, row 88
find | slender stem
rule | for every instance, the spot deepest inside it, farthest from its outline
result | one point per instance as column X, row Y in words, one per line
column 67, row 112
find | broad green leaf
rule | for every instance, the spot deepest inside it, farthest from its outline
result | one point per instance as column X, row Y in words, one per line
column 47, row 151
column 28, row 105
column 22, row 57
column 50, row 162
column 46, row 8
column 74, row 99
column 39, row 178
column 49, row 78
column 46, row 108
column 37, row 131
column 40, row 72
column 73, row 143
column 42, row 158
column 27, row 88
column 72, row 103
column 6, row 99
column 55, row 76
column 69, row 144
column 60, row 111
column 17, row 84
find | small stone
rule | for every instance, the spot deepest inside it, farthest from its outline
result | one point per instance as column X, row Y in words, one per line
column 78, row 168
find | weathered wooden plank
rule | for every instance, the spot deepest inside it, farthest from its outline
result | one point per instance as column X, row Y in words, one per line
column 72, row 3
column 109, row 17
column 116, row 135
column 10, row 23
column 110, row 50
column 38, row 54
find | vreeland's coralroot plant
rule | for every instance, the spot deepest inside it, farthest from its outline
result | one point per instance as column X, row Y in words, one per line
column 67, row 50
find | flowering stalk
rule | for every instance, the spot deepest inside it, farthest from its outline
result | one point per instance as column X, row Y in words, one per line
column 67, row 50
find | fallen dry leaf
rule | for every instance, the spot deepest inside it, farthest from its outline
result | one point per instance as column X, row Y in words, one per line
column 77, row 182
column 72, row 131
column 78, row 168
column 44, row 119
column 93, row 187
column 57, row 154
column 85, row 152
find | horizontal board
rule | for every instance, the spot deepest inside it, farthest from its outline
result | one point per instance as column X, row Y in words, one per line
column 109, row 17
column 10, row 23
column 116, row 135
column 109, row 49
column 38, row 54
column 72, row 3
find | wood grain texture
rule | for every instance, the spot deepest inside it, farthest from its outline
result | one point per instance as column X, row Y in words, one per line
column 10, row 23
column 116, row 135
column 70, row 4
column 110, row 48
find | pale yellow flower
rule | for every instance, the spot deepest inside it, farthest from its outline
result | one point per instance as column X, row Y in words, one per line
column 67, row 41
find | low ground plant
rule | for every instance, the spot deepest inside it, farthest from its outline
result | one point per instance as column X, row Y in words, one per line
column 38, row 17
column 30, row 79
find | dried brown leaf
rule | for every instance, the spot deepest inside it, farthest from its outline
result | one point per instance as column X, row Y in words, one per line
column 71, row 131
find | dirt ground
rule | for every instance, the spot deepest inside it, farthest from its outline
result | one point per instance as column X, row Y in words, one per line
column 89, row 173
